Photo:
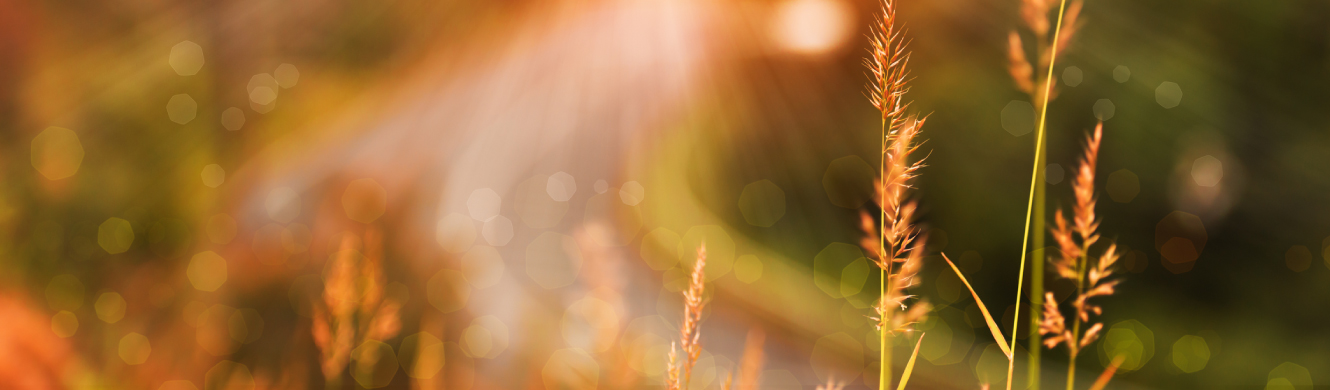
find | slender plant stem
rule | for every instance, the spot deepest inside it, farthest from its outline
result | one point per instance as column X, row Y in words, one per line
column 1034, row 179
column 884, row 372
column 1037, row 264
column 1037, row 280
column 1073, row 345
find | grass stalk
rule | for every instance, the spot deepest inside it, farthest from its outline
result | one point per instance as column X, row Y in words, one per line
column 909, row 366
column 1034, row 180
column 1076, row 323
column 884, row 371
column 1107, row 375
column 1037, row 275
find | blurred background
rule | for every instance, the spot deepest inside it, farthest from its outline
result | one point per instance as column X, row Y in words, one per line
column 458, row 194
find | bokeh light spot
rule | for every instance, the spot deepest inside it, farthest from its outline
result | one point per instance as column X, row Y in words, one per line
column 262, row 89
column 1123, row 186
column 286, row 75
column 810, row 26
column 590, row 324
column 1179, row 250
column 233, row 119
column 1129, row 339
column 1072, row 76
column 937, row 343
column 990, row 366
column 455, row 233
column 570, row 369
column 1298, row 258
column 1292, row 375
column 762, row 203
column 632, row 193
column 448, row 291
column 482, row 266
column 1104, row 109
column 829, row 263
column 134, row 349
column 486, row 338
column 57, row 153
column 64, row 292
column 1054, row 173
column 375, row 364
column 1279, row 384
column 838, row 355
column 601, row 186
column 186, row 58
column 110, row 307
column 660, row 249
column 1168, row 94
column 1207, row 171
column 483, row 204
column 1191, row 353
column 641, row 340
column 561, row 186
column 1325, row 252
column 115, row 235
column 720, row 250
column 553, row 260
column 848, row 182
column 1121, row 74
column 207, row 271
column 181, row 108
column 1180, row 238
column 497, row 231
column 748, row 268
column 213, row 333
column 421, row 355
column 64, row 324
column 853, row 277
column 213, row 175
column 1018, row 117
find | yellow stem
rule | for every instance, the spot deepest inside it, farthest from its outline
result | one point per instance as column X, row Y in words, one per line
column 1034, row 176
column 1074, row 345
column 884, row 372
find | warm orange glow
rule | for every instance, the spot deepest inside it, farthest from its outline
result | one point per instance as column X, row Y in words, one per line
column 810, row 26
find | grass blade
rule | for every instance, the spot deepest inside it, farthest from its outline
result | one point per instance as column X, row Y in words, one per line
column 992, row 325
column 909, row 366
column 1108, row 373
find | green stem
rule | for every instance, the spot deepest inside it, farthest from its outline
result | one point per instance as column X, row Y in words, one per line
column 1034, row 181
column 1071, row 372
column 1037, row 271
column 1036, row 292
column 1073, row 345
column 884, row 374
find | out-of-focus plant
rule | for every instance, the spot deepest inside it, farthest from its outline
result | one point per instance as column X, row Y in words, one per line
column 355, row 310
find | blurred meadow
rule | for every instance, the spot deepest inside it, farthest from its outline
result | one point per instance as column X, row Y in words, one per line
column 461, row 194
